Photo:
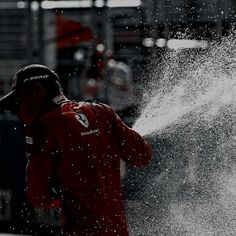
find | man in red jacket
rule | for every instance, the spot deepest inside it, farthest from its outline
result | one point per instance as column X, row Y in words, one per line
column 73, row 149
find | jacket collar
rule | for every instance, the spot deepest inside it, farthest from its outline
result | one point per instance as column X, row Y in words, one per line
column 59, row 99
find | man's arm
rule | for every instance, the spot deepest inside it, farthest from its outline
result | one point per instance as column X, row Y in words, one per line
column 40, row 171
column 134, row 149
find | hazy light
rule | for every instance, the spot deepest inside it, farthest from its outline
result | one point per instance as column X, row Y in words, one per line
column 99, row 3
column 21, row 4
column 79, row 55
column 148, row 42
column 161, row 43
column 66, row 4
column 185, row 43
column 124, row 3
column 89, row 3
column 34, row 6
column 101, row 47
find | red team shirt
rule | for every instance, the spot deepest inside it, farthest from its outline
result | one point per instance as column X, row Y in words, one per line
column 75, row 149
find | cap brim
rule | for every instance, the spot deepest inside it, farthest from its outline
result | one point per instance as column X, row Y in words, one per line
column 8, row 102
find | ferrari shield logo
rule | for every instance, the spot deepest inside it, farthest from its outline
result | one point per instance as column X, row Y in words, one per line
column 82, row 119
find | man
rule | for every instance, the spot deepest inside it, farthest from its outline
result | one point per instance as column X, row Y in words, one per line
column 73, row 149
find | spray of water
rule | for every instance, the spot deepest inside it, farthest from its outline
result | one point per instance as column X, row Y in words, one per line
column 189, row 82
column 189, row 119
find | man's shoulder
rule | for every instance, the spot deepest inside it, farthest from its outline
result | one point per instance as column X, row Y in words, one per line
column 90, row 104
column 93, row 109
column 98, row 104
column 68, row 109
column 49, row 116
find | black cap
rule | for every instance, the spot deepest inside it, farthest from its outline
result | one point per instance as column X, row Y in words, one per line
column 26, row 75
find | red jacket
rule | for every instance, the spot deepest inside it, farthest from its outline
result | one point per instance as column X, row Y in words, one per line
column 76, row 148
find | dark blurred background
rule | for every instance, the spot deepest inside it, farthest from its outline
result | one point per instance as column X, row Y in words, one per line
column 78, row 38
column 101, row 50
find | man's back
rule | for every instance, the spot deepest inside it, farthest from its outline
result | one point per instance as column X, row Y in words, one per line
column 81, row 146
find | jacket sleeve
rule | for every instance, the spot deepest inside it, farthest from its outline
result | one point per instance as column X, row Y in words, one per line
column 134, row 148
column 40, row 171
